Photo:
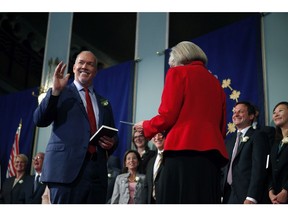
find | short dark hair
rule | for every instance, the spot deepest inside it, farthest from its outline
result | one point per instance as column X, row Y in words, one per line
column 278, row 131
column 125, row 169
column 250, row 107
column 280, row 103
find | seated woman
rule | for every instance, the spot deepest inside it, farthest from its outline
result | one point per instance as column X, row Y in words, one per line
column 130, row 186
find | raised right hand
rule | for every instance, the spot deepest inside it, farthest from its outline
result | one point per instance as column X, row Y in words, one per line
column 59, row 81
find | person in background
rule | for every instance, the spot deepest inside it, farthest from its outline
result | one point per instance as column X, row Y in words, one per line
column 245, row 177
column 278, row 187
column 33, row 188
column 141, row 144
column 130, row 187
column 154, row 169
column 13, row 186
column 75, row 168
column 114, row 169
column 269, row 130
column 193, row 113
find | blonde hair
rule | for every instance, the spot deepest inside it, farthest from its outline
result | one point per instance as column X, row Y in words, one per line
column 185, row 52
column 23, row 157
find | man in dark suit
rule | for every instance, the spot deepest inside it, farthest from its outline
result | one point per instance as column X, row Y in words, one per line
column 75, row 168
column 247, row 183
column 154, row 169
column 33, row 188
column 269, row 130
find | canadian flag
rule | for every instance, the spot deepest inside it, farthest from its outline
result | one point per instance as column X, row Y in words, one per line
column 14, row 152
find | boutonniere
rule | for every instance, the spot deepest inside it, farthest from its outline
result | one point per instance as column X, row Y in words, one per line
column 109, row 175
column 245, row 139
column 285, row 140
column 104, row 102
column 20, row 181
column 137, row 179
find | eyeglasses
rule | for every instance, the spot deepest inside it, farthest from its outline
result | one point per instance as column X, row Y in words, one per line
column 37, row 158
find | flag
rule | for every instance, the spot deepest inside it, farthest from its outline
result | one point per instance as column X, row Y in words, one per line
column 14, row 152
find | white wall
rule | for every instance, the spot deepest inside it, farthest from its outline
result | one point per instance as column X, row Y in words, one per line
column 276, row 47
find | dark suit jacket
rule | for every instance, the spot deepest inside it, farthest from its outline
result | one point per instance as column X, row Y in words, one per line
column 28, row 196
column 149, row 179
column 249, row 168
column 145, row 160
column 68, row 143
column 11, row 195
column 270, row 131
column 279, row 167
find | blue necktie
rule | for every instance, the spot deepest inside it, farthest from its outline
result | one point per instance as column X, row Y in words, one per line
column 36, row 182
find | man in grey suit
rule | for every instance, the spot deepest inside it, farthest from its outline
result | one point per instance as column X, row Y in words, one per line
column 74, row 168
column 247, row 183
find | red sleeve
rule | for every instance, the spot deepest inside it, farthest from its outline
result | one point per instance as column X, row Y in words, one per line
column 171, row 103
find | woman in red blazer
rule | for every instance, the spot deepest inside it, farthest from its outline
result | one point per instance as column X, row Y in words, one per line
column 193, row 112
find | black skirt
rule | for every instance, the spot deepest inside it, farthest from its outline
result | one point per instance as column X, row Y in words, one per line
column 190, row 177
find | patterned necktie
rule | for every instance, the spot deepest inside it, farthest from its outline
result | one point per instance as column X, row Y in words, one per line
column 91, row 117
column 235, row 149
column 156, row 170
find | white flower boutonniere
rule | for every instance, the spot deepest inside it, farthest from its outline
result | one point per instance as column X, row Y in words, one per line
column 285, row 140
column 245, row 139
column 104, row 102
column 137, row 178
column 21, row 181
column 109, row 175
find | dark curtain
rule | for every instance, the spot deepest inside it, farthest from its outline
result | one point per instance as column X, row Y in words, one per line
column 116, row 84
column 13, row 108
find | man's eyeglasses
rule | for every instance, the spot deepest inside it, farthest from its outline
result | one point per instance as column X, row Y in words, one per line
column 37, row 158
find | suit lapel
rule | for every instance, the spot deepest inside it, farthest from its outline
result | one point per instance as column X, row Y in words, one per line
column 230, row 144
column 73, row 92
column 249, row 134
column 100, row 108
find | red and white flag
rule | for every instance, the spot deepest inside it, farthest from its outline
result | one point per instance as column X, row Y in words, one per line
column 14, row 152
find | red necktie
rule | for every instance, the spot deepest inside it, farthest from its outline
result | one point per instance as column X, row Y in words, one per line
column 92, row 119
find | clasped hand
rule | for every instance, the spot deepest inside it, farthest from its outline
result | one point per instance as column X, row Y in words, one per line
column 106, row 142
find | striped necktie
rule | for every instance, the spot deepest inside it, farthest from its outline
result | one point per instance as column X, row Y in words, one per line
column 156, row 170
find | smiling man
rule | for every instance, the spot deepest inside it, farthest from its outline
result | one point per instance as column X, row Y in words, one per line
column 245, row 176
column 74, row 168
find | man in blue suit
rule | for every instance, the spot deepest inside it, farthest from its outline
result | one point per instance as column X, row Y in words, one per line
column 75, row 168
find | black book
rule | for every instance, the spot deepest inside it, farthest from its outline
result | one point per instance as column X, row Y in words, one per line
column 104, row 131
